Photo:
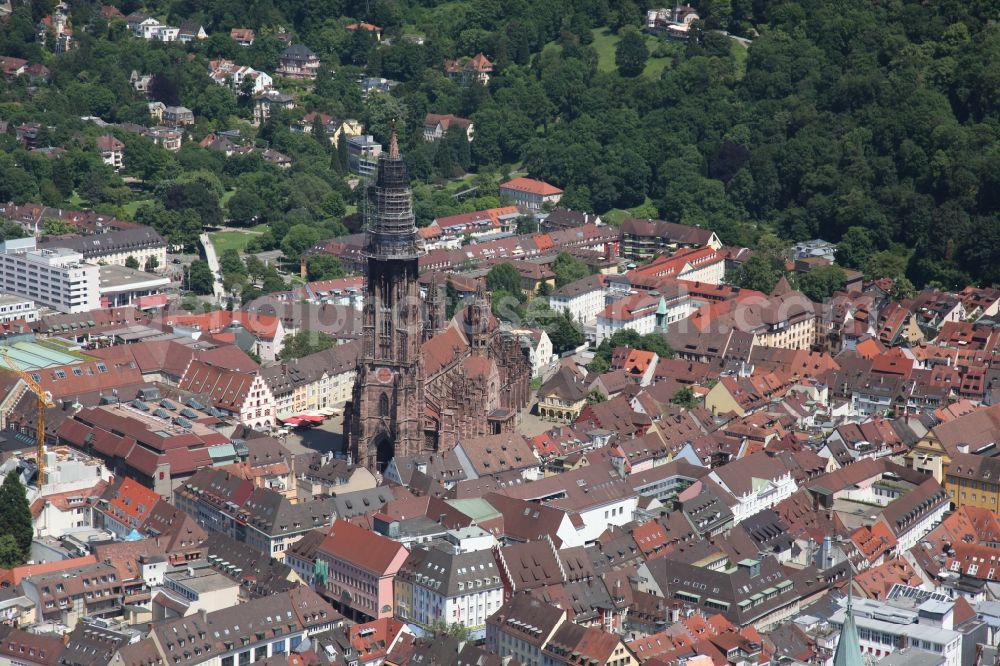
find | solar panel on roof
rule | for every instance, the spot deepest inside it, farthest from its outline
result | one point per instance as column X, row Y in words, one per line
column 167, row 404
column 162, row 413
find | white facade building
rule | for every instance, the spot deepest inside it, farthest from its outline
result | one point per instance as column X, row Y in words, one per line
column 539, row 347
column 884, row 627
column 762, row 494
column 582, row 299
column 636, row 312
column 440, row 585
column 57, row 278
column 17, row 308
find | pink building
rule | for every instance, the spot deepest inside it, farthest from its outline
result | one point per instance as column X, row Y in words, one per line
column 360, row 567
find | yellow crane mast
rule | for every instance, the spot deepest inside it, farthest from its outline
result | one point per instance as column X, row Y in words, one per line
column 44, row 402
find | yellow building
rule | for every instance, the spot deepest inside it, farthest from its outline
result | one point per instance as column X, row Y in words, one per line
column 930, row 457
column 973, row 480
column 719, row 400
column 562, row 398
column 972, row 432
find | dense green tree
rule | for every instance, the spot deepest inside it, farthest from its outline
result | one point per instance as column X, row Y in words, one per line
column 684, row 397
column 15, row 514
column 255, row 267
column 132, row 262
column 231, row 264
column 384, row 112
column 180, row 227
column 143, row 159
column 324, row 267
column 505, row 278
column 195, row 196
column 855, row 248
column 152, row 263
column 299, row 238
column 756, row 273
column 304, row 343
column 54, row 226
column 820, row 283
column 10, row 552
column 568, row 269
column 564, row 333
column 17, row 185
column 199, row 277
column 11, row 230
column 631, row 53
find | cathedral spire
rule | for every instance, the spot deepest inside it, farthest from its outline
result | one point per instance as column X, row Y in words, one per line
column 391, row 227
column 435, row 307
column 393, row 145
column 478, row 319
column 849, row 646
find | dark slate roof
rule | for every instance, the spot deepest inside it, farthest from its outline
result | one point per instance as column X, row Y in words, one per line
column 111, row 242
column 438, row 568
column 298, row 52
column 565, row 385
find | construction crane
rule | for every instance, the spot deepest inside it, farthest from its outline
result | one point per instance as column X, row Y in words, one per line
column 44, row 402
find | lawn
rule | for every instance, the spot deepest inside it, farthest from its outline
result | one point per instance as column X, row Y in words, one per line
column 616, row 216
column 237, row 240
column 605, row 41
column 739, row 52
column 133, row 206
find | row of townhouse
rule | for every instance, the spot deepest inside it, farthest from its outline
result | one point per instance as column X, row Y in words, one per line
column 314, row 383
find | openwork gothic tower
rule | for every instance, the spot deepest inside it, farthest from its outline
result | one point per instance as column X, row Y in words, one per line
column 385, row 417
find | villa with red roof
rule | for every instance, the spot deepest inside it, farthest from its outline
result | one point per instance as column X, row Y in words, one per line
column 476, row 69
column 436, row 125
column 530, row 194
column 361, row 566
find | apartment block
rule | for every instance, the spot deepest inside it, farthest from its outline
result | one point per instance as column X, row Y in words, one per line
column 56, row 277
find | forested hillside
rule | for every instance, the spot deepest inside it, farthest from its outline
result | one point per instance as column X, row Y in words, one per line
column 880, row 116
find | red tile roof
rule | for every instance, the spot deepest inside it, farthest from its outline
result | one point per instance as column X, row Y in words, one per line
column 362, row 548
column 17, row 574
column 68, row 500
column 432, row 120
column 490, row 216
column 108, row 143
column 261, row 325
column 69, row 381
column 531, row 186
column 631, row 307
column 370, row 27
column 372, row 640
column 131, row 502
column 227, row 388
